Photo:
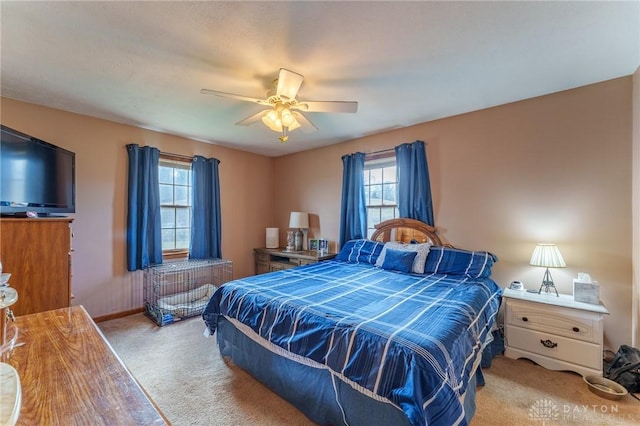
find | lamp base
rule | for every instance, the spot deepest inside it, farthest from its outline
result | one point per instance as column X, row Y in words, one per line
column 547, row 288
column 290, row 240
column 547, row 284
column 297, row 238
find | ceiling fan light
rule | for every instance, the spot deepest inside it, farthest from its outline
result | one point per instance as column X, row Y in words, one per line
column 287, row 118
column 280, row 119
column 272, row 121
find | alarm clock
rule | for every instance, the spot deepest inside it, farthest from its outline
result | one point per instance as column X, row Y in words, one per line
column 516, row 285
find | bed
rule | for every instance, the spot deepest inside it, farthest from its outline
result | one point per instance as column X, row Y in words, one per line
column 390, row 332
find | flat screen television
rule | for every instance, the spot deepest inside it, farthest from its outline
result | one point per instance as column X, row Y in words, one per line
column 35, row 176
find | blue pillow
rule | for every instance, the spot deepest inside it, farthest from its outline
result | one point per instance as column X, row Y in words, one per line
column 399, row 260
column 447, row 260
column 360, row 251
column 422, row 251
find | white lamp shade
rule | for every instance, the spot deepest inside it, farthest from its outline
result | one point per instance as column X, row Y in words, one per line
column 299, row 220
column 547, row 255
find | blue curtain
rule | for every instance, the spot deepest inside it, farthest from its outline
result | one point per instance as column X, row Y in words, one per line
column 206, row 226
column 353, row 213
column 144, row 239
column 414, row 188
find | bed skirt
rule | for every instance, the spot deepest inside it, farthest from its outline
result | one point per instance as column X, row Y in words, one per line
column 313, row 389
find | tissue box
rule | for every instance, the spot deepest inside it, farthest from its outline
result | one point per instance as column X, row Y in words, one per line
column 587, row 292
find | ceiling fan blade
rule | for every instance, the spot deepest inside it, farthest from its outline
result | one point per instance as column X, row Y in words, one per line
column 305, row 125
column 289, row 83
column 252, row 119
column 327, row 106
column 233, row 96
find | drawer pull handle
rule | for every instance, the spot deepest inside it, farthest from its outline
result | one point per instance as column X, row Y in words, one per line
column 525, row 319
column 548, row 344
column 576, row 329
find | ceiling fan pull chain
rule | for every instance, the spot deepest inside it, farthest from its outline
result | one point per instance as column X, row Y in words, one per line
column 285, row 137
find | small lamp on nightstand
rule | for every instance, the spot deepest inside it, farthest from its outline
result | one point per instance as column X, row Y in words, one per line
column 547, row 256
column 300, row 221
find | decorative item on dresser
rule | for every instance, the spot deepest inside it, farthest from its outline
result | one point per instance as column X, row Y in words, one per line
column 548, row 256
column 10, row 395
column 8, row 334
column 585, row 290
column 269, row 260
column 10, row 387
column 272, row 238
column 323, row 245
column 556, row 332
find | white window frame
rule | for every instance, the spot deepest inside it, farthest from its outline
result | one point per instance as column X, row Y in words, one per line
column 380, row 209
column 176, row 163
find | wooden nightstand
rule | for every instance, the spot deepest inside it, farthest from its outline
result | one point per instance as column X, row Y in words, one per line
column 268, row 260
column 556, row 332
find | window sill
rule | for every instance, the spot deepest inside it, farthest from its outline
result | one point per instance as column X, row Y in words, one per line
column 175, row 254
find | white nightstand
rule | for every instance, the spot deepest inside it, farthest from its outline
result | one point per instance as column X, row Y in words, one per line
column 556, row 332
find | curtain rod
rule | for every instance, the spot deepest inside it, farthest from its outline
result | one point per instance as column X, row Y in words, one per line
column 175, row 156
column 382, row 151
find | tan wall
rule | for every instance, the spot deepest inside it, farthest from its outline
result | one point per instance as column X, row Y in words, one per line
column 100, row 280
column 555, row 168
column 551, row 169
column 636, row 209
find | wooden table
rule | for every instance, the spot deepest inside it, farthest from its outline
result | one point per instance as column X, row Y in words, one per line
column 71, row 376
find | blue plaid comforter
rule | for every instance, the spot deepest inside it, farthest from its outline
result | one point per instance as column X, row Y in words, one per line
column 414, row 340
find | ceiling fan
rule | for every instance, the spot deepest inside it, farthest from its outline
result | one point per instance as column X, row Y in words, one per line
column 285, row 111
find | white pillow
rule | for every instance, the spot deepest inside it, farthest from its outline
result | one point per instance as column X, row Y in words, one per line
column 418, row 262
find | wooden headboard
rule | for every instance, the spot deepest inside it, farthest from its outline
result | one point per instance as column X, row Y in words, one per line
column 406, row 230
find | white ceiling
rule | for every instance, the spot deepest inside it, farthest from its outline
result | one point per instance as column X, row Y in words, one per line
column 144, row 63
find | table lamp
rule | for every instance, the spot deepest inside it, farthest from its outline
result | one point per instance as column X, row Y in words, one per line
column 298, row 220
column 547, row 256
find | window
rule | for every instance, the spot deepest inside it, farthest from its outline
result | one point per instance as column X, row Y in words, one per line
column 380, row 189
column 175, row 206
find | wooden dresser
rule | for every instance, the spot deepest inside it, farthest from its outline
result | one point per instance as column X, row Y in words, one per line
column 71, row 376
column 269, row 260
column 37, row 253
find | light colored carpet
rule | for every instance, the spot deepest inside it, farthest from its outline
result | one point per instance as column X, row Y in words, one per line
column 185, row 375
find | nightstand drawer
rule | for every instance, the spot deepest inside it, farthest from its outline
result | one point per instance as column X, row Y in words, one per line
column 276, row 259
column 556, row 347
column 279, row 266
column 580, row 325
